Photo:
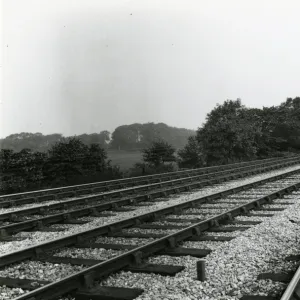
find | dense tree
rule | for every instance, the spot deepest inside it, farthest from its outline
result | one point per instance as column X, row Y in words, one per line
column 68, row 150
column 280, row 127
column 126, row 137
column 96, row 159
column 233, row 132
column 33, row 141
column 71, row 156
column 138, row 136
column 21, row 169
column 40, row 142
column 65, row 160
column 159, row 153
column 102, row 139
column 285, row 122
column 229, row 134
column 6, row 156
column 192, row 154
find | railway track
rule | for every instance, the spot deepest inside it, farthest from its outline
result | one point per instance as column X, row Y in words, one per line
column 39, row 218
column 52, row 196
column 97, row 187
column 194, row 220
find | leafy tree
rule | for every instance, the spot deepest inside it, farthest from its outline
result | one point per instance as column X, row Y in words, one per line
column 102, row 139
column 96, row 159
column 33, row 141
column 5, row 159
column 229, row 134
column 159, row 153
column 68, row 150
column 71, row 157
column 192, row 154
column 139, row 136
column 21, row 169
column 126, row 137
column 286, row 125
column 39, row 142
column 66, row 159
column 280, row 127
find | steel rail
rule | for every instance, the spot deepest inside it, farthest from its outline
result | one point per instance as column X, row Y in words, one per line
column 5, row 204
column 92, row 209
column 32, row 252
column 292, row 291
column 130, row 190
column 132, row 179
column 55, row 196
column 82, row 192
column 85, row 279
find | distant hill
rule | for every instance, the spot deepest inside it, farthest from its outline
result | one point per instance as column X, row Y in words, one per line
column 125, row 137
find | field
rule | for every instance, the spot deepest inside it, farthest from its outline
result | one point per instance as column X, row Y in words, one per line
column 125, row 159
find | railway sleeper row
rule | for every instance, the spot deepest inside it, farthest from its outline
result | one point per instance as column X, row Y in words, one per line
column 90, row 209
column 67, row 218
column 118, row 293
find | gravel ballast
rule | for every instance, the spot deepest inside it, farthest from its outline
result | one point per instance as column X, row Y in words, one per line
column 38, row 237
column 232, row 268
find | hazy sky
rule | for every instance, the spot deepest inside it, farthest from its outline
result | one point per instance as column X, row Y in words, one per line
column 75, row 66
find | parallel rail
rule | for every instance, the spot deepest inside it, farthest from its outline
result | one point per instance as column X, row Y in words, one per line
column 92, row 209
column 84, row 279
column 134, row 190
column 133, row 181
column 292, row 291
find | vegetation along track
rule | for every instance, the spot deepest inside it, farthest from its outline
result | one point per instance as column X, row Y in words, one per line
column 68, row 212
column 194, row 220
column 89, row 188
column 53, row 197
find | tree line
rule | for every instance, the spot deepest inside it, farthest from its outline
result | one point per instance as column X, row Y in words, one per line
column 231, row 133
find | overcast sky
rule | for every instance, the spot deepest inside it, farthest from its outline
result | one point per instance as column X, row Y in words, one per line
column 82, row 66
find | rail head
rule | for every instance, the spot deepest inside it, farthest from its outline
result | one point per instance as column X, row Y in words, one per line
column 289, row 293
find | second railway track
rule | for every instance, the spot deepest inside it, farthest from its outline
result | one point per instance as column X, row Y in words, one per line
column 97, row 187
column 51, row 197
